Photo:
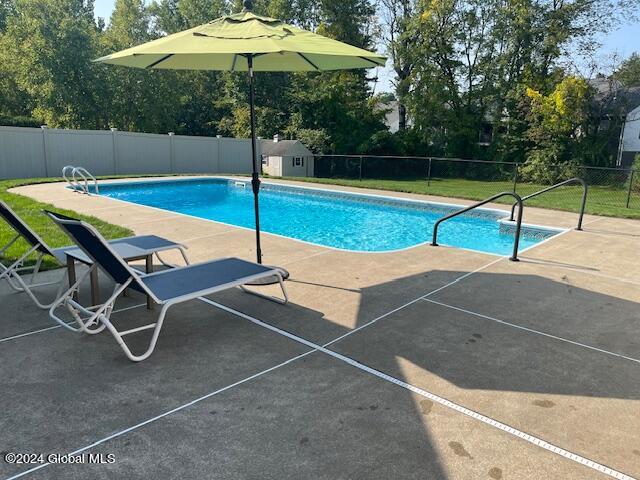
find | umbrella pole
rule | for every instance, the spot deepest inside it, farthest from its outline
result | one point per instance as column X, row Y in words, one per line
column 255, row 179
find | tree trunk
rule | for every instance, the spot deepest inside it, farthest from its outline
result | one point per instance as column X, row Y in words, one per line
column 402, row 117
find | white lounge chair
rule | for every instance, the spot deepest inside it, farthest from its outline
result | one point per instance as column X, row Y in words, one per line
column 167, row 288
column 13, row 273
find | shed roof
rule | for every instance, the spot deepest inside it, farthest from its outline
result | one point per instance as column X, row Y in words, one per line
column 280, row 148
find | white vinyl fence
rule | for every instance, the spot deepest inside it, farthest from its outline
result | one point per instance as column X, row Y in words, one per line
column 43, row 152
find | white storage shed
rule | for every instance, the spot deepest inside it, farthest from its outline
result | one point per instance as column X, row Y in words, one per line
column 286, row 158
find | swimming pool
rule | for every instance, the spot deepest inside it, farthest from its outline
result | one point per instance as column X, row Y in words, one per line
column 348, row 221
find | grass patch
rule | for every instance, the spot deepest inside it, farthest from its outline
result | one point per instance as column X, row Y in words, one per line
column 31, row 213
column 602, row 200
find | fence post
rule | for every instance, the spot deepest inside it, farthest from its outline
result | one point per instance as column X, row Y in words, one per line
column 515, row 177
column 219, row 153
column 114, row 146
column 630, row 187
column 360, row 169
column 172, row 154
column 45, row 148
column 429, row 173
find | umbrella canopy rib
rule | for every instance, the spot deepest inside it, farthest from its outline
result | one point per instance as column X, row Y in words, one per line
column 373, row 62
column 160, row 61
column 308, row 61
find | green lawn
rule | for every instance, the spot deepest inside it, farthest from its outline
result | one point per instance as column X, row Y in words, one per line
column 601, row 200
column 31, row 212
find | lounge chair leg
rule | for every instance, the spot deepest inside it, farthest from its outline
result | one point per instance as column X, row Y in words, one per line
column 281, row 301
column 34, row 271
column 11, row 242
column 157, row 326
column 182, row 251
column 67, row 299
column 11, row 274
column 11, row 270
column 36, row 268
column 95, row 287
column 91, row 323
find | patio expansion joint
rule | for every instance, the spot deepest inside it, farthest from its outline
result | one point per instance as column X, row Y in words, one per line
column 579, row 270
column 210, row 235
column 599, row 234
column 533, row 331
column 595, row 220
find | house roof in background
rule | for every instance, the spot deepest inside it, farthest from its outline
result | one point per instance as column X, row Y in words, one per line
column 612, row 97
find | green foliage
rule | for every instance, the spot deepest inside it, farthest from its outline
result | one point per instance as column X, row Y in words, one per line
column 317, row 141
column 7, row 8
column 140, row 100
column 19, row 121
column 462, row 66
column 47, row 49
column 542, row 167
column 172, row 16
column 636, row 177
column 46, row 72
column 629, row 71
column 556, row 123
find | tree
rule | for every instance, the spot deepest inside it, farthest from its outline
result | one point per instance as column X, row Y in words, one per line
column 7, row 8
column 138, row 99
column 462, row 64
column 340, row 104
column 332, row 109
column 171, row 16
column 629, row 71
column 399, row 39
column 557, row 124
column 46, row 71
column 48, row 47
column 12, row 100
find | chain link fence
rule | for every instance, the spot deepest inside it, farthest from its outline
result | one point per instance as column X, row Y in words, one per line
column 612, row 191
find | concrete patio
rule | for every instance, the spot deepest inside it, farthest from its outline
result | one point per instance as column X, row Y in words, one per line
column 429, row 363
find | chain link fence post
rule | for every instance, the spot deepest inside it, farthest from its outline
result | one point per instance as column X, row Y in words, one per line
column 360, row 169
column 429, row 173
column 515, row 177
column 630, row 187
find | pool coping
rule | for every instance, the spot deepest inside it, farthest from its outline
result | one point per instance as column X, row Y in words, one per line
column 504, row 220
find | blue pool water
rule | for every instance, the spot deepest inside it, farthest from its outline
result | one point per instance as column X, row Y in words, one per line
column 333, row 219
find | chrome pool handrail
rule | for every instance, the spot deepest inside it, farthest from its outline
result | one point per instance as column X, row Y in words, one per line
column 64, row 174
column 80, row 184
column 585, row 191
column 516, row 242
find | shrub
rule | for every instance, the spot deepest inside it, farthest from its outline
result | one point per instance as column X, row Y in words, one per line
column 19, row 121
column 636, row 180
column 542, row 167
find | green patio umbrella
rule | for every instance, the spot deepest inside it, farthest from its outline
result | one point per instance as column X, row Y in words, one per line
column 246, row 42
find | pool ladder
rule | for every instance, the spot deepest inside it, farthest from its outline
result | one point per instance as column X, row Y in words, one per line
column 583, row 204
column 79, row 179
column 520, row 204
column 516, row 242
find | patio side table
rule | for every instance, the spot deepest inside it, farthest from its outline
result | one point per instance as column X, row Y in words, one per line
column 129, row 253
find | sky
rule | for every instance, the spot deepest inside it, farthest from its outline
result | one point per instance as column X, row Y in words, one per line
column 623, row 41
